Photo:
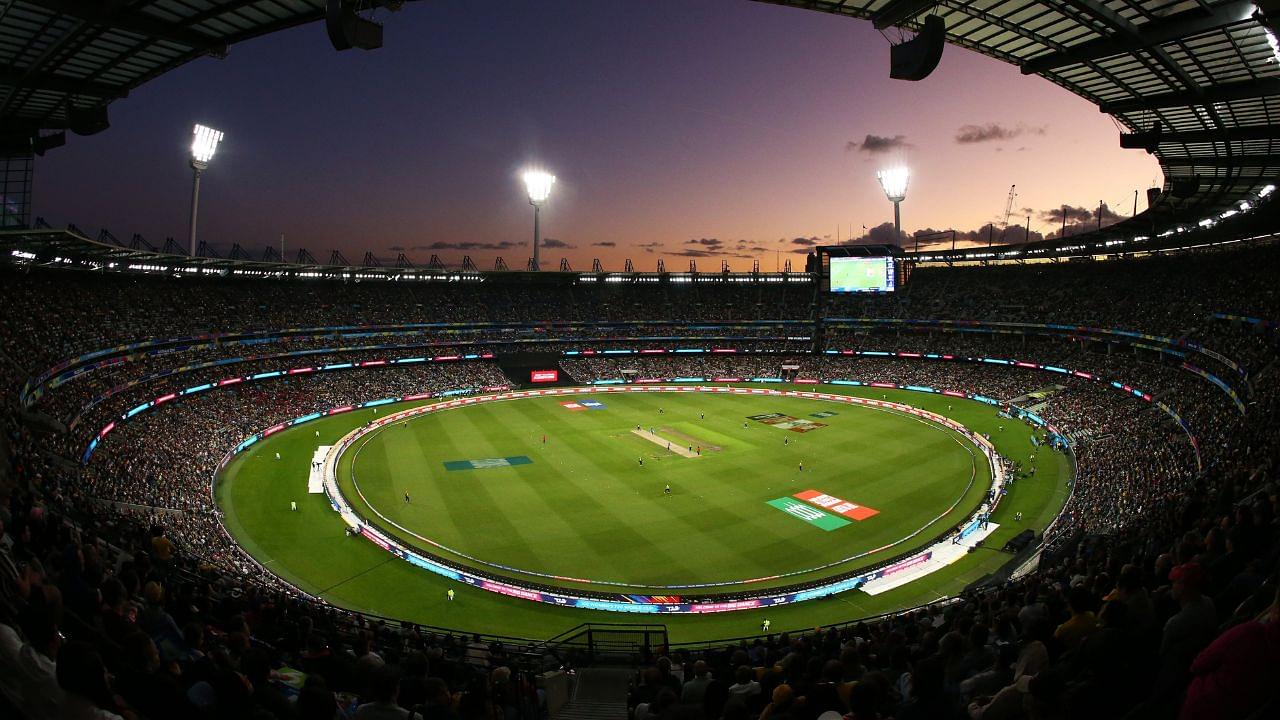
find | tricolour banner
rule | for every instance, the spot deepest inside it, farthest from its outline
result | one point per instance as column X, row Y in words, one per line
column 836, row 505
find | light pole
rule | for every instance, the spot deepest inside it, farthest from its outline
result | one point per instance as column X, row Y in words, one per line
column 538, row 184
column 894, row 183
column 204, row 144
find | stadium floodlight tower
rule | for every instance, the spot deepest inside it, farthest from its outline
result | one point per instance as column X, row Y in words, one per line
column 894, row 183
column 538, row 184
column 203, row 145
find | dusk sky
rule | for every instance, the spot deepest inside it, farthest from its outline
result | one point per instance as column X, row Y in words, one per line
column 712, row 129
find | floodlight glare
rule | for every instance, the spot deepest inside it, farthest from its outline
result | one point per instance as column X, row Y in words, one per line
column 204, row 144
column 538, row 184
column 894, row 182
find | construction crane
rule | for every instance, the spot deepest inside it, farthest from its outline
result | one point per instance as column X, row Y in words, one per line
column 1008, row 210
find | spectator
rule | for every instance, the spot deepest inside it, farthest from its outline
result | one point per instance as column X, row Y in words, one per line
column 1238, row 673
column 87, row 691
column 744, row 686
column 384, row 690
column 1082, row 621
column 696, row 687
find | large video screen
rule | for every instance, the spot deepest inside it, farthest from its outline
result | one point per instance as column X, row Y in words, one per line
column 860, row 275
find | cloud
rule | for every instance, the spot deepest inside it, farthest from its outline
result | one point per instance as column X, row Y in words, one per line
column 877, row 144
column 554, row 243
column 695, row 253
column 649, row 247
column 806, row 242
column 1074, row 214
column 441, row 245
column 994, row 132
column 988, row 233
column 606, row 243
column 712, row 243
column 396, row 248
column 935, row 238
column 879, row 235
column 1079, row 219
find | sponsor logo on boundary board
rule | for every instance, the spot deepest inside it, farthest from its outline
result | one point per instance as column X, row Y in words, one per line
column 811, row 515
column 584, row 404
column 786, row 422
column 484, row 463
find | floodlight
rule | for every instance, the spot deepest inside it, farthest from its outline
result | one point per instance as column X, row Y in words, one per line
column 204, row 144
column 537, row 184
column 894, row 182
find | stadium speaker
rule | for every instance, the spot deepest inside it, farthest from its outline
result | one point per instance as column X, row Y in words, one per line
column 1183, row 188
column 1148, row 140
column 1153, row 196
column 44, row 143
column 348, row 30
column 917, row 57
column 88, row 121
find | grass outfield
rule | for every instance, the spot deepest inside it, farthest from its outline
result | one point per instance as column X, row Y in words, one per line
column 585, row 506
column 310, row 549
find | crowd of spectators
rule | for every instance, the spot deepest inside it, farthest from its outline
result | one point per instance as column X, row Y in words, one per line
column 1155, row 595
column 94, row 415
column 69, row 402
column 667, row 367
column 61, row 315
column 1160, row 600
column 154, row 375
column 1172, row 296
column 166, row 457
column 65, row 401
column 168, row 618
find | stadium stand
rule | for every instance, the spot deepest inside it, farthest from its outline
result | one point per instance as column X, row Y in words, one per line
column 1155, row 594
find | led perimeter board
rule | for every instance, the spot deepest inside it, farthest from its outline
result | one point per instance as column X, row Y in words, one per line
column 862, row 274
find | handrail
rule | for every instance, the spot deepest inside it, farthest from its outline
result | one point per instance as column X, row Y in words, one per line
column 578, row 629
column 694, row 644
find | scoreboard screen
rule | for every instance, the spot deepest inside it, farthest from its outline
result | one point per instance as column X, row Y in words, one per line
column 862, row 275
column 542, row 376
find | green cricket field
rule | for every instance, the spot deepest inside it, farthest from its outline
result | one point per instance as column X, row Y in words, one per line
column 642, row 493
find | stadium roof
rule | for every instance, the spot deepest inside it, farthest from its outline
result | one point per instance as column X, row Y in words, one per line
column 1195, row 81
column 61, row 58
column 1204, row 72
column 69, row 249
